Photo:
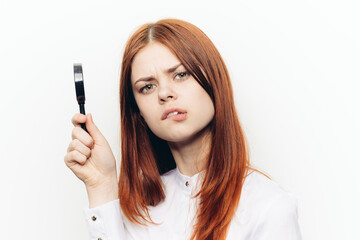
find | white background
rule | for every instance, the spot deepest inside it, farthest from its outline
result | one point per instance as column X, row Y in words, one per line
column 295, row 72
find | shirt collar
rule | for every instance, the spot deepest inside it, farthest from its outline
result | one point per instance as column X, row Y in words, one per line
column 190, row 185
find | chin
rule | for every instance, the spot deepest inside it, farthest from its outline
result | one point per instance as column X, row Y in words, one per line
column 178, row 135
column 181, row 137
column 175, row 139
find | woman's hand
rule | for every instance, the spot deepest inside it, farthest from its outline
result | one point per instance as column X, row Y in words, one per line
column 89, row 155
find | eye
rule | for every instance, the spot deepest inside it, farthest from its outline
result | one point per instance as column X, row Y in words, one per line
column 146, row 88
column 181, row 75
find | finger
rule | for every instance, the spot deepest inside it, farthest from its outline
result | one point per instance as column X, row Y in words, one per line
column 76, row 163
column 74, row 157
column 77, row 119
column 77, row 145
column 93, row 130
column 83, row 136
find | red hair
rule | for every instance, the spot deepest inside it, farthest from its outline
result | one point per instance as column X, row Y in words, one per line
column 144, row 156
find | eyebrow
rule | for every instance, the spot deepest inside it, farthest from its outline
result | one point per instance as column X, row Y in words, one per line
column 168, row 71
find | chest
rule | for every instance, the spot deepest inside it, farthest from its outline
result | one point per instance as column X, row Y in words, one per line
column 175, row 217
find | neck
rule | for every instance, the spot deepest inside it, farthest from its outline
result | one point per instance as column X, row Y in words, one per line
column 191, row 156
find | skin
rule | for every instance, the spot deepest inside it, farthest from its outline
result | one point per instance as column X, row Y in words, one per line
column 190, row 139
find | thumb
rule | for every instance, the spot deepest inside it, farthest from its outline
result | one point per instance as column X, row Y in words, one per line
column 93, row 129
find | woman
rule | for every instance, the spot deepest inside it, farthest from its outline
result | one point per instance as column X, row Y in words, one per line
column 185, row 171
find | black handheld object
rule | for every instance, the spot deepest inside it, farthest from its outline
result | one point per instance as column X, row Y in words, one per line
column 80, row 91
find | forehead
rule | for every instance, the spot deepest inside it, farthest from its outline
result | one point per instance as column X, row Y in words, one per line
column 153, row 58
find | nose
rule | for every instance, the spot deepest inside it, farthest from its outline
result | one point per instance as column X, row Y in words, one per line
column 166, row 93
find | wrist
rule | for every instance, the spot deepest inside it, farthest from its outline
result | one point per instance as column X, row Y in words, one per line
column 102, row 193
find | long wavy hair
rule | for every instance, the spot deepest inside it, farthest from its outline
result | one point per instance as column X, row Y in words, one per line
column 144, row 156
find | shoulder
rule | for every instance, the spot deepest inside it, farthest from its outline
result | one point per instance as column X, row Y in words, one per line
column 262, row 197
column 266, row 210
column 259, row 186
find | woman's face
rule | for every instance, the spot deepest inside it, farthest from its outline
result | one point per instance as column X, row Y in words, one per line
column 160, row 83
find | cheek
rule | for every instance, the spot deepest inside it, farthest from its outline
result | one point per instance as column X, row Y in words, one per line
column 146, row 107
column 200, row 100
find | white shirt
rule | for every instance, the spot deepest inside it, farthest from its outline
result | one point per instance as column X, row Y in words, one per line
column 265, row 211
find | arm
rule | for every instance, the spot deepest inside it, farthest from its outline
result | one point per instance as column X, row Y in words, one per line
column 105, row 222
column 280, row 221
column 103, row 217
column 90, row 157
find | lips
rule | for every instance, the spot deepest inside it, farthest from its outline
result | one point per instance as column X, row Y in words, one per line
column 179, row 110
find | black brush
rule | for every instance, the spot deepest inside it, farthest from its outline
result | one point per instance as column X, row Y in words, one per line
column 80, row 91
